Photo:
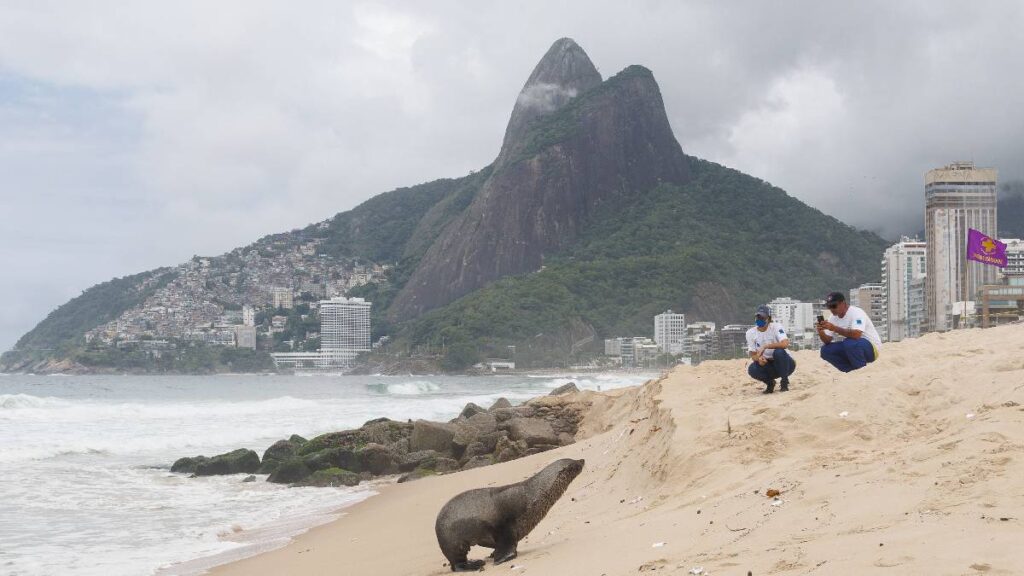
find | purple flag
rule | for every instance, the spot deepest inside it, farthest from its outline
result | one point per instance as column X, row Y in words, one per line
column 984, row 249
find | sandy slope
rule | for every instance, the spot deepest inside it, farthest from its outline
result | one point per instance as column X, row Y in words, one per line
column 914, row 465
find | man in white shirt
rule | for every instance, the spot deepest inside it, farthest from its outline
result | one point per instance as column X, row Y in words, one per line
column 766, row 343
column 849, row 337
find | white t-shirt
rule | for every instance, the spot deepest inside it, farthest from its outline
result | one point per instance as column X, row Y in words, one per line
column 756, row 338
column 855, row 319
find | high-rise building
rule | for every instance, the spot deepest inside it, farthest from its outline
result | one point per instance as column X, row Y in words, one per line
column 869, row 298
column 957, row 197
column 283, row 298
column 916, row 317
column 344, row 330
column 796, row 316
column 669, row 332
column 1014, row 257
column 902, row 263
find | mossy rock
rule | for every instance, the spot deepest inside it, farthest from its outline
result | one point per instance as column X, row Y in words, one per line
column 280, row 451
column 297, row 440
column 241, row 461
column 349, row 439
column 331, row 477
column 187, row 465
column 294, row 470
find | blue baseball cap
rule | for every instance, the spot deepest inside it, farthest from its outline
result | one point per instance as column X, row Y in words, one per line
column 764, row 311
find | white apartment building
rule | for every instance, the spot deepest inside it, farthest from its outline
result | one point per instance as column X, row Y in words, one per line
column 957, row 197
column 700, row 342
column 796, row 316
column 902, row 263
column 1014, row 257
column 631, row 351
column 669, row 332
column 344, row 330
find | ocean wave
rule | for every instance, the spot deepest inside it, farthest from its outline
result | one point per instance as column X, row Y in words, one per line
column 23, row 401
column 413, row 388
column 96, row 409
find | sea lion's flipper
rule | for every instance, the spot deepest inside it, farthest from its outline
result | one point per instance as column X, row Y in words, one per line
column 468, row 566
column 506, row 544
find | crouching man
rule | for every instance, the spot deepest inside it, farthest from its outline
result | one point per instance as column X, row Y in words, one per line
column 849, row 337
column 767, row 343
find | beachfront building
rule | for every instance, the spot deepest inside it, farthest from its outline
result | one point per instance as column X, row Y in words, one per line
column 613, row 347
column 871, row 299
column 1014, row 257
column 796, row 316
column 732, row 341
column 916, row 317
column 957, row 197
column 902, row 263
column 344, row 330
column 701, row 342
column 669, row 332
column 635, row 351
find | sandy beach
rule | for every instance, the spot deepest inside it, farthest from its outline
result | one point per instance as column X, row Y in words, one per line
column 913, row 465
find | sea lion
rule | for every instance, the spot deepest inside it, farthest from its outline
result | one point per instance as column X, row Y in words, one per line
column 500, row 517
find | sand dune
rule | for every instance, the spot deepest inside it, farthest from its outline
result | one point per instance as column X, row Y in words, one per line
column 914, row 465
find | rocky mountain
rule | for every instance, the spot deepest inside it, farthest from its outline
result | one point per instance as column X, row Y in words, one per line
column 590, row 220
column 573, row 143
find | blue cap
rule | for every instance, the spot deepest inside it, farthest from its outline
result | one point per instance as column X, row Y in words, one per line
column 764, row 311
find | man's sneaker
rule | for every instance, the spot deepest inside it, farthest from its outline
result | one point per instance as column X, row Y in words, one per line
column 770, row 388
column 785, row 385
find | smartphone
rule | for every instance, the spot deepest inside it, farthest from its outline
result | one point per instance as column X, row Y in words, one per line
column 821, row 319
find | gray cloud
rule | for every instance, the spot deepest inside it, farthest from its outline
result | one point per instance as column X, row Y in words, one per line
column 133, row 135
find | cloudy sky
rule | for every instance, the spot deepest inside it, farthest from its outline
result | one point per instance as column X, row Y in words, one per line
column 137, row 134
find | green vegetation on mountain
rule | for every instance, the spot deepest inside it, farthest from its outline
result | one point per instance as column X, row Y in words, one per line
column 713, row 248
column 63, row 329
column 187, row 358
column 385, row 228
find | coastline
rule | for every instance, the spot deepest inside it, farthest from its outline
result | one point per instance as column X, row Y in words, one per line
column 880, row 471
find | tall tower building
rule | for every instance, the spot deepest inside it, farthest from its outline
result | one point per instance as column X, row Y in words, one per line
column 902, row 263
column 957, row 197
column 669, row 332
column 344, row 330
column 868, row 297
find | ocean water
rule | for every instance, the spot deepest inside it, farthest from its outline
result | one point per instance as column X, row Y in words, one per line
column 85, row 486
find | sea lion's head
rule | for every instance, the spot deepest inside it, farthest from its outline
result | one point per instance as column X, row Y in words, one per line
column 555, row 477
column 571, row 468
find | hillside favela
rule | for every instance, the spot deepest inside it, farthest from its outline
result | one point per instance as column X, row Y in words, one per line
column 678, row 288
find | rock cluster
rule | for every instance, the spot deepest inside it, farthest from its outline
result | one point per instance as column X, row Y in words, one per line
column 477, row 437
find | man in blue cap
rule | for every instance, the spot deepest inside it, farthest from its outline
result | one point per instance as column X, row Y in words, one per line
column 767, row 343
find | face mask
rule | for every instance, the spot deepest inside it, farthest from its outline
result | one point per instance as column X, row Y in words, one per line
column 761, row 322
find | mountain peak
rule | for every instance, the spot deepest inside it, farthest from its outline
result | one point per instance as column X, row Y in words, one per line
column 563, row 73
